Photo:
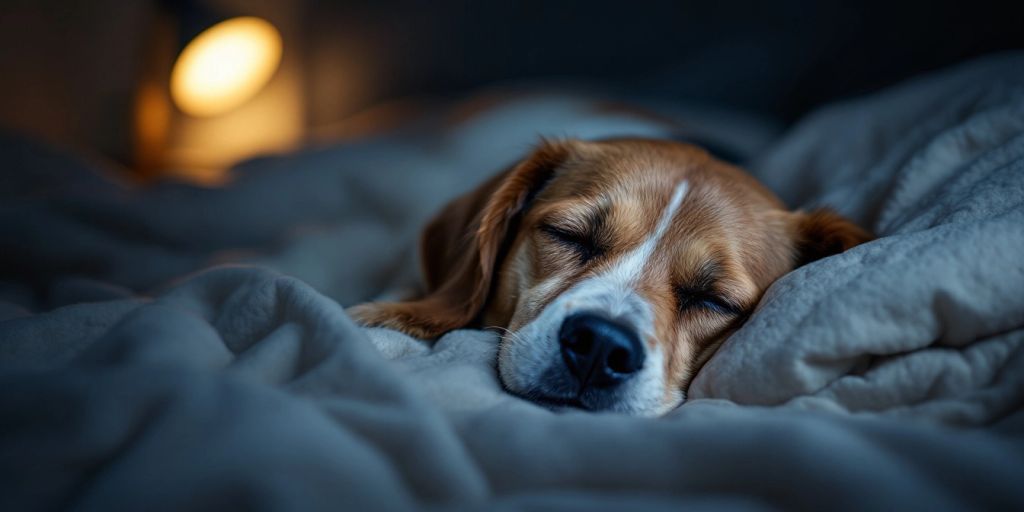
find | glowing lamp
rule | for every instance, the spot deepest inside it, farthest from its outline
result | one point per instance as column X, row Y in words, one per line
column 218, row 88
column 225, row 66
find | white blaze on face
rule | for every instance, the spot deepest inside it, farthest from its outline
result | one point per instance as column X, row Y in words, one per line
column 535, row 348
column 629, row 269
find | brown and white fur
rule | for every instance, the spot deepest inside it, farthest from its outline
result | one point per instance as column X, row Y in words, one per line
column 671, row 245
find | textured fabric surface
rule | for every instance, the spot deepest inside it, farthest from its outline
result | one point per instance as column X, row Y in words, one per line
column 889, row 376
column 928, row 320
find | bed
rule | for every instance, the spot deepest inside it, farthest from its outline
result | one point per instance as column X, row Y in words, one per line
column 174, row 347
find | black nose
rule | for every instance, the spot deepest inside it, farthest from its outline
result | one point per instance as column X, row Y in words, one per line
column 599, row 351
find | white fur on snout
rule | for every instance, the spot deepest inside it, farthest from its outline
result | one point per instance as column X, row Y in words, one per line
column 524, row 360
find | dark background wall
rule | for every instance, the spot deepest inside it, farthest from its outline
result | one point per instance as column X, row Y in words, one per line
column 69, row 67
column 779, row 58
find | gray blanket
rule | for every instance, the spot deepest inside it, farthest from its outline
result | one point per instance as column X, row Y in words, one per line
column 181, row 348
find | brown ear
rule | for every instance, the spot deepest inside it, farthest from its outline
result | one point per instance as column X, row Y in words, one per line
column 462, row 247
column 823, row 232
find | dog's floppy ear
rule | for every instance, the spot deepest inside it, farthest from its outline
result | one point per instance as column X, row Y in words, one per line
column 462, row 247
column 823, row 232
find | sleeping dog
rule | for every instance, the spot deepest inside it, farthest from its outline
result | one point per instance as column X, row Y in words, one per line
column 614, row 269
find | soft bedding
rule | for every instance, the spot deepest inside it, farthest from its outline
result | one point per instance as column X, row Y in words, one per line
column 175, row 347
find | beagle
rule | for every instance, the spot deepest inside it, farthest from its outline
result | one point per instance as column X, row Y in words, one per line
column 615, row 269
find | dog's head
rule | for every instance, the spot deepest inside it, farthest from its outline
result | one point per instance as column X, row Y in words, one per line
column 614, row 269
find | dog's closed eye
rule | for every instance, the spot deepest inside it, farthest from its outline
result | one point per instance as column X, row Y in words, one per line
column 689, row 299
column 700, row 292
column 584, row 242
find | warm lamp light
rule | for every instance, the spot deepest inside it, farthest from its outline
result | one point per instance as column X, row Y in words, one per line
column 225, row 66
column 219, row 88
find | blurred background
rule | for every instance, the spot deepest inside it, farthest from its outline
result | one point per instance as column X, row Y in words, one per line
column 112, row 78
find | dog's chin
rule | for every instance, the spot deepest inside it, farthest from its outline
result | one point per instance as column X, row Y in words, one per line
column 589, row 401
column 557, row 403
column 553, row 403
column 557, row 391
